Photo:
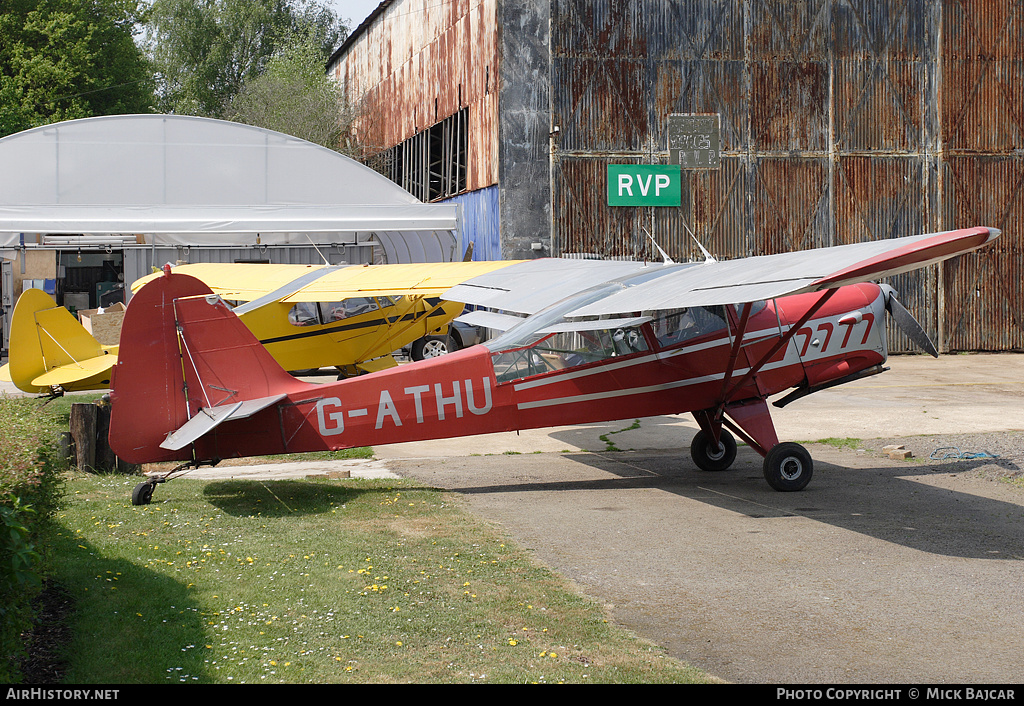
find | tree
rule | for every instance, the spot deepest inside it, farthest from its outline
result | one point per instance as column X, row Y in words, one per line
column 66, row 59
column 204, row 51
column 295, row 96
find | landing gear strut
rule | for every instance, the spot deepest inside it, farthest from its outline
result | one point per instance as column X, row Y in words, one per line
column 143, row 492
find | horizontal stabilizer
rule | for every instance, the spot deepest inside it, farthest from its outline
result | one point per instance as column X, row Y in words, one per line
column 209, row 418
column 67, row 375
column 49, row 347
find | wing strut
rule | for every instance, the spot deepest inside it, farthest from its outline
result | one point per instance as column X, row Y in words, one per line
column 779, row 345
column 752, row 418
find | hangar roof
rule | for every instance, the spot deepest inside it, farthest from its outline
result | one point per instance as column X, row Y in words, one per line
column 180, row 180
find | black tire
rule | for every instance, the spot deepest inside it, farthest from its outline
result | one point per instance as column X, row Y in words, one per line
column 143, row 493
column 433, row 346
column 709, row 459
column 788, row 467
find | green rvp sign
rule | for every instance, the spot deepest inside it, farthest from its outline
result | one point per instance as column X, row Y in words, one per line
column 644, row 185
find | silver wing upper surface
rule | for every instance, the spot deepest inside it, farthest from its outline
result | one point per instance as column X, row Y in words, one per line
column 531, row 286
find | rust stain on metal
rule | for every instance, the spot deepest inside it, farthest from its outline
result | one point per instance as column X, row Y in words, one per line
column 841, row 121
column 419, row 63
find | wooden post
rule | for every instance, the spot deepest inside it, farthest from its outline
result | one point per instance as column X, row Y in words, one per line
column 90, row 426
column 83, row 434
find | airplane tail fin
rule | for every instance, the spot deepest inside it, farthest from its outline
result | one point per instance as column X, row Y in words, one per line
column 183, row 350
column 48, row 346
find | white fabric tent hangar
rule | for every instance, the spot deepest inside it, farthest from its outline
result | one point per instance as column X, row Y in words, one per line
column 158, row 181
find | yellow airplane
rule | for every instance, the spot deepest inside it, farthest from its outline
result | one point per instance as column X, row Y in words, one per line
column 351, row 317
column 50, row 349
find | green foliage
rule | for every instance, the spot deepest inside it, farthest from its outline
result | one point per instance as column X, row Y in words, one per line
column 294, row 96
column 66, row 59
column 31, row 488
column 205, row 52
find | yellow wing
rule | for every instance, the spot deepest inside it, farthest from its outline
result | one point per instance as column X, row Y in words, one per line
column 239, row 281
column 296, row 311
column 313, row 283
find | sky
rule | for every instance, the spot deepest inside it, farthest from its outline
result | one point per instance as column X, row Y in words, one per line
column 354, row 10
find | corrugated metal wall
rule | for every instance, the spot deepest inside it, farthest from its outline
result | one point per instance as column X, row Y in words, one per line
column 842, row 120
column 420, row 62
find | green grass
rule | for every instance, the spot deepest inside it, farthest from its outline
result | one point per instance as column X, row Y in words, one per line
column 609, row 445
column 358, row 581
column 840, row 443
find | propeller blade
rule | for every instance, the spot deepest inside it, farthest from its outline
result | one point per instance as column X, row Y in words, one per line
column 907, row 323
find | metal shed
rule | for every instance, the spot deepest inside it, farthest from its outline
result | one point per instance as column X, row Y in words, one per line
column 841, row 121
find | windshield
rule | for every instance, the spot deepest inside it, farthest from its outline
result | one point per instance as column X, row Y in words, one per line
column 527, row 332
column 546, row 342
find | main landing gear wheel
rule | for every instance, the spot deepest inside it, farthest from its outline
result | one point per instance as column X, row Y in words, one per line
column 707, row 457
column 788, row 467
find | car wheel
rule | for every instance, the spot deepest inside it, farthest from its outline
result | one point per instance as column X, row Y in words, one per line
column 433, row 346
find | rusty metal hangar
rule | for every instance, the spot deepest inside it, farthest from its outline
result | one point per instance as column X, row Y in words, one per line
column 840, row 121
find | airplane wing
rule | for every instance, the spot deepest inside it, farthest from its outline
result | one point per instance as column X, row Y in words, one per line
column 244, row 281
column 425, row 278
column 258, row 284
column 529, row 287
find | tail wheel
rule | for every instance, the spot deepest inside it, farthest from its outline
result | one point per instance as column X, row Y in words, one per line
column 143, row 493
column 788, row 467
column 709, row 458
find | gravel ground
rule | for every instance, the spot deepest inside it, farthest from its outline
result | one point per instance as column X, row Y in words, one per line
column 993, row 456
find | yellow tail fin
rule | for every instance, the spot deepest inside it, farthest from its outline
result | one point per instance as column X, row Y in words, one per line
column 49, row 346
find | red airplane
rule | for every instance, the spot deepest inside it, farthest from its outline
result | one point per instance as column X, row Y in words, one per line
column 587, row 341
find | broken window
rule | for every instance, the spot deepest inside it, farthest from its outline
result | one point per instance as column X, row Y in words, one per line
column 431, row 165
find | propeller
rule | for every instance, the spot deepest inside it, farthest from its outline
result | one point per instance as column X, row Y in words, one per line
column 906, row 321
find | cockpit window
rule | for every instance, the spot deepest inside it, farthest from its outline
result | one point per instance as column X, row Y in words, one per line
column 304, row 314
column 315, row 313
column 674, row 326
column 347, row 308
column 566, row 349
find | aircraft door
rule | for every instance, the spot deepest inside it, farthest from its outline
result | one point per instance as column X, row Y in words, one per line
column 360, row 324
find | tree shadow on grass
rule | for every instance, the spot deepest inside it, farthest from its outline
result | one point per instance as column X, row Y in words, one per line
column 128, row 625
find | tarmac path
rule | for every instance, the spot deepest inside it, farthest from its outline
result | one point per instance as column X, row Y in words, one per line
column 881, row 571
